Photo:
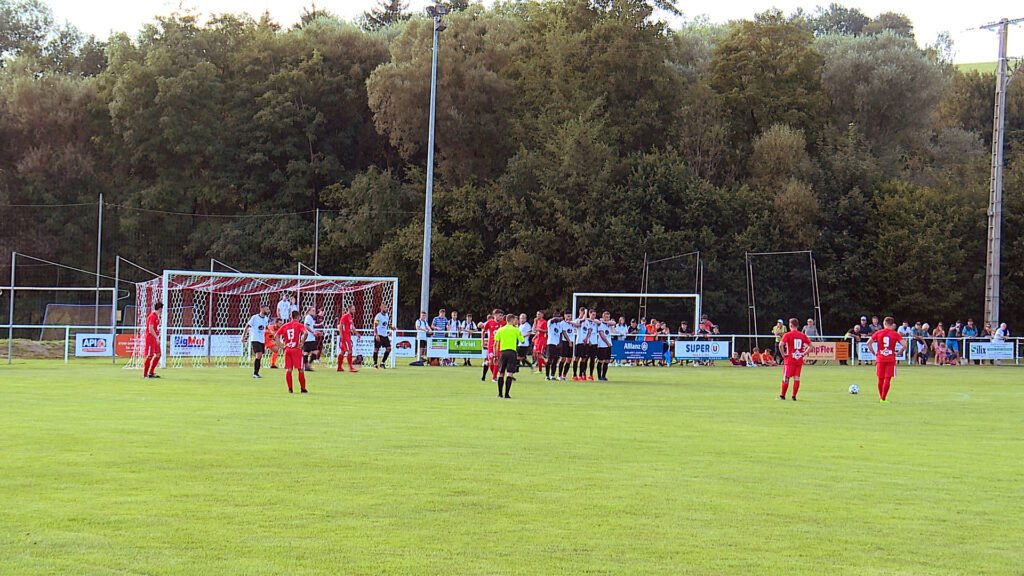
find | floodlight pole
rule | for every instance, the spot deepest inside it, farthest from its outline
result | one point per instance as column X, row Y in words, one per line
column 436, row 12
column 995, row 205
column 99, row 251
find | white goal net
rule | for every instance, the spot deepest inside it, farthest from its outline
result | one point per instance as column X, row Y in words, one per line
column 205, row 313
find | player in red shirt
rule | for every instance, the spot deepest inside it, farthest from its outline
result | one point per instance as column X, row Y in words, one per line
column 540, row 340
column 293, row 335
column 494, row 321
column 345, row 338
column 152, row 352
column 795, row 344
column 885, row 344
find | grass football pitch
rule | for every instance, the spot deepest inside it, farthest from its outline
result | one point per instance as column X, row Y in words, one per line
column 426, row 471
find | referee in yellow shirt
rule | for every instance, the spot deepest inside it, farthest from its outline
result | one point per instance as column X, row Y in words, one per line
column 508, row 338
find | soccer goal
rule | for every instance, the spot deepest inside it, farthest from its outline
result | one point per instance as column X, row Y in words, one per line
column 604, row 299
column 205, row 313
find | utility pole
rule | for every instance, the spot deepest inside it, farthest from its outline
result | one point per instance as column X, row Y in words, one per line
column 995, row 204
column 435, row 12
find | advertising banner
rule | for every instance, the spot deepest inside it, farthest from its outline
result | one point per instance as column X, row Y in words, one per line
column 184, row 345
column 836, row 351
column 701, row 350
column 92, row 345
column 990, row 350
column 401, row 346
column 638, row 350
column 128, row 345
column 455, row 348
column 864, row 353
column 227, row 345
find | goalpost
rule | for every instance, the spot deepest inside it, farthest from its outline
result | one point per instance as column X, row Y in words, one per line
column 205, row 313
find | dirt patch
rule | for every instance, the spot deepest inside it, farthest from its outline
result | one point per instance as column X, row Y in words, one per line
column 35, row 350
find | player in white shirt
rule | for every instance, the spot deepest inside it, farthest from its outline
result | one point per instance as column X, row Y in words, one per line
column 309, row 346
column 423, row 331
column 555, row 340
column 256, row 330
column 604, row 345
column 467, row 328
column 568, row 345
column 581, row 352
column 381, row 335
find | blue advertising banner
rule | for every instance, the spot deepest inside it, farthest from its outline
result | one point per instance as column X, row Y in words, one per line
column 638, row 350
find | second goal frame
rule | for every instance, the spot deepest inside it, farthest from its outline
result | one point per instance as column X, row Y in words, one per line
column 696, row 297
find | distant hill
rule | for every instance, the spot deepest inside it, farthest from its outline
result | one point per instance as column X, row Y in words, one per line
column 979, row 66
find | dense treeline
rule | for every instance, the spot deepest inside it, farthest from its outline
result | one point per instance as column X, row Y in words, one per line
column 574, row 136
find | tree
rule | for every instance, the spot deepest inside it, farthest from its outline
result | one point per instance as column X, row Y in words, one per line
column 384, row 14
column 24, row 26
column 893, row 22
column 768, row 72
column 838, row 19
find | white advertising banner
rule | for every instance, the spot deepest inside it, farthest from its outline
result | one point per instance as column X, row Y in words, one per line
column 990, row 350
column 401, row 346
column 701, row 350
column 864, row 353
column 185, row 345
column 227, row 345
column 91, row 345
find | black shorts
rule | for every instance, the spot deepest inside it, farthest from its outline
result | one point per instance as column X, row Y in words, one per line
column 554, row 352
column 257, row 347
column 381, row 342
column 508, row 362
column 524, row 350
column 604, row 353
column 582, row 351
column 592, row 350
column 566, row 350
column 309, row 346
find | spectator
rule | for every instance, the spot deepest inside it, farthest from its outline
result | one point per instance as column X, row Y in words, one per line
column 705, row 325
column 865, row 328
column 767, row 359
column 906, row 331
column 454, row 328
column 953, row 342
column 284, row 308
column 970, row 332
column 755, row 356
column 875, row 326
column 854, row 336
column 779, row 330
column 466, row 330
column 1000, row 335
column 939, row 344
column 741, row 359
column 811, row 330
column 919, row 351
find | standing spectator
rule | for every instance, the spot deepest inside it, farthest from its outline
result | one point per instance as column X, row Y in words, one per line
column 970, row 332
column 439, row 325
column 1000, row 335
column 779, row 330
column 284, row 308
column 865, row 328
column 953, row 342
column 293, row 306
column 811, row 330
column 939, row 344
column 906, row 331
column 854, row 335
column 423, row 331
column 920, row 335
column 466, row 330
column 875, row 326
column 706, row 325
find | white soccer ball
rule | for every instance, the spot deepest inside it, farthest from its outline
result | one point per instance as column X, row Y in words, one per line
column 854, row 389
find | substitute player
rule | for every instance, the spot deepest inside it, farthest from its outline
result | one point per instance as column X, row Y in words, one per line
column 293, row 336
column 152, row 342
column 885, row 345
column 793, row 346
column 256, row 330
column 507, row 340
column 345, row 338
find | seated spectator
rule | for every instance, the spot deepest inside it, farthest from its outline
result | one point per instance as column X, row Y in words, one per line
column 756, row 357
column 767, row 359
column 741, row 359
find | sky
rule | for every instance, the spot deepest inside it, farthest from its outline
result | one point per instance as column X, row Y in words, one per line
column 930, row 17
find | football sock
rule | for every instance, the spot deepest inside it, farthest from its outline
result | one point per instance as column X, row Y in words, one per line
column 256, row 367
column 273, row 359
column 494, row 369
column 288, row 379
column 341, row 360
column 885, row 389
column 375, row 357
column 508, row 385
column 593, row 363
column 483, row 375
column 796, row 387
column 501, row 385
column 387, row 352
column 785, row 386
column 302, row 380
column 575, row 367
column 350, row 367
column 145, row 371
column 881, row 388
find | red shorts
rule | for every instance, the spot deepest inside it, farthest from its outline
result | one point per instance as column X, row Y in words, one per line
column 885, row 369
column 293, row 359
column 540, row 345
column 346, row 343
column 791, row 370
column 152, row 346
